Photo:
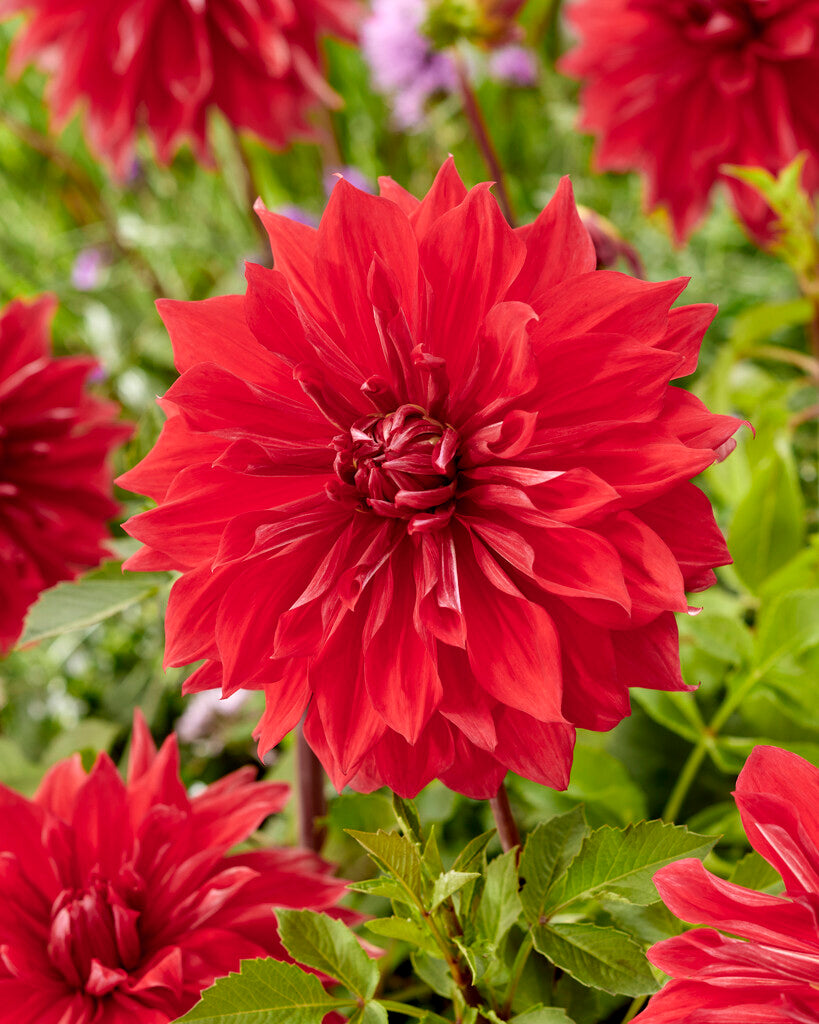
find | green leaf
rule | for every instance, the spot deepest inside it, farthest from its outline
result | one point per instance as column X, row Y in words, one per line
column 431, row 861
column 329, row 946
column 542, row 1015
column 603, row 958
column 405, row 930
column 84, row 603
column 386, row 887
column 623, row 862
column 754, row 872
column 768, row 527
column 407, row 815
column 449, row 883
column 761, row 321
column 788, row 627
column 500, row 904
column 370, row 1013
column 676, row 712
column 398, row 856
column 547, row 852
column 266, row 992
column 434, row 972
column 471, row 857
column 91, row 734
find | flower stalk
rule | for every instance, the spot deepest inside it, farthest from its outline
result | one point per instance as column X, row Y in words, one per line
column 508, row 832
column 312, row 802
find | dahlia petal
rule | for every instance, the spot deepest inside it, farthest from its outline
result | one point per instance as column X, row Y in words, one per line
column 57, row 792
column 294, row 251
column 438, row 606
column 404, row 200
column 160, row 784
column 594, row 695
column 686, row 415
column 467, row 706
column 101, row 817
column 25, row 329
column 316, row 737
column 400, row 671
column 650, row 656
column 474, row 772
column 776, row 797
column 190, row 619
column 286, row 700
column 469, row 256
column 407, row 769
column 686, row 327
column 226, row 816
column 558, row 246
column 652, row 573
column 206, row 677
column 695, row 895
column 541, row 751
column 447, row 192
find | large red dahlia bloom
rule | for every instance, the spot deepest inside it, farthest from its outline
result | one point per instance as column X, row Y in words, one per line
column 119, row 903
column 163, row 64
column 55, row 476
column 766, row 969
column 427, row 480
column 677, row 88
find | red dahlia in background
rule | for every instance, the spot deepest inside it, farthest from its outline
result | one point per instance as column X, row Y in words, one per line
column 766, row 970
column 55, row 477
column 164, row 64
column 119, row 901
column 428, row 482
column 677, row 88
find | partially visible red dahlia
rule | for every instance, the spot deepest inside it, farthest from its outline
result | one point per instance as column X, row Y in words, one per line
column 164, row 64
column 119, row 900
column 427, row 481
column 766, row 969
column 55, row 473
column 677, row 88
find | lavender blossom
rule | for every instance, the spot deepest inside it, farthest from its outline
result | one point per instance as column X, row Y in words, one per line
column 86, row 274
column 514, row 65
column 403, row 63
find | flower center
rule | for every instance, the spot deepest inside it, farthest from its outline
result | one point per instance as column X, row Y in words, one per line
column 724, row 22
column 401, row 464
column 94, row 938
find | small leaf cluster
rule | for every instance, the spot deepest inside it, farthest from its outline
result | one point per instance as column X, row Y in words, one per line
column 547, row 934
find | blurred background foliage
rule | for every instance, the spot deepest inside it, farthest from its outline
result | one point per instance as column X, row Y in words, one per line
column 185, row 231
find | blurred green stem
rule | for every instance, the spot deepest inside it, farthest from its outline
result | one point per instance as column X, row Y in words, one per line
column 634, row 1009
column 544, row 32
column 413, row 1011
column 92, row 195
column 516, row 973
column 477, row 123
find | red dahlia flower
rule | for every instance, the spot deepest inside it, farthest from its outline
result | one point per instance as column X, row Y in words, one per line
column 55, row 477
column 119, row 903
column 677, row 88
column 766, row 970
column 427, row 481
column 164, row 64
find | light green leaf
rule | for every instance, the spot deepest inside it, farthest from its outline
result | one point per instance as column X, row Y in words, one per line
column 95, row 734
column 398, row 856
column 405, row 930
column 603, row 958
column 500, row 904
column 449, row 883
column 768, row 527
column 542, row 1015
column 759, row 322
column 407, row 815
column 470, row 858
column 623, row 862
column 370, row 1013
column 82, row 604
column 266, row 992
column 754, row 872
column 386, row 887
column 431, row 861
column 547, row 852
column 329, row 946
column 788, row 627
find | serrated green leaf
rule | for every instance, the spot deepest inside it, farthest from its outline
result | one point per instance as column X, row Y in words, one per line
column 547, row 852
column 623, row 862
column 603, row 958
column 500, row 905
column 431, row 858
column 82, row 604
column 448, row 884
column 768, row 526
column 407, row 815
column 329, row 946
column 754, row 872
column 471, row 857
column 386, row 887
column 405, row 930
column 398, row 856
column 265, row 992
column 370, row 1013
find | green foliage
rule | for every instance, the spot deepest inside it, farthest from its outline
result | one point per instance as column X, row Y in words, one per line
column 596, row 956
column 330, row 947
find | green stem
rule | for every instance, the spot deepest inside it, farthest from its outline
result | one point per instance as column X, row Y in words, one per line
column 413, row 1011
column 516, row 974
column 634, row 1009
column 686, row 778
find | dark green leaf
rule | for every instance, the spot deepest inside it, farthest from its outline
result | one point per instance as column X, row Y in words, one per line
column 754, row 872
column 500, row 904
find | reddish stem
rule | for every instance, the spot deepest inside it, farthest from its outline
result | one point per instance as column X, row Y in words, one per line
column 312, row 803
column 504, row 820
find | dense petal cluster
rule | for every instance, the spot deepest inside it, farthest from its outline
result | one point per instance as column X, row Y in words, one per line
column 766, row 969
column 55, row 477
column 678, row 88
column 164, row 65
column 119, row 903
column 428, row 482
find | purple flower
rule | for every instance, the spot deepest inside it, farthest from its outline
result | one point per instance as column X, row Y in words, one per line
column 403, row 64
column 298, row 214
column 514, row 65
column 204, row 712
column 86, row 273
